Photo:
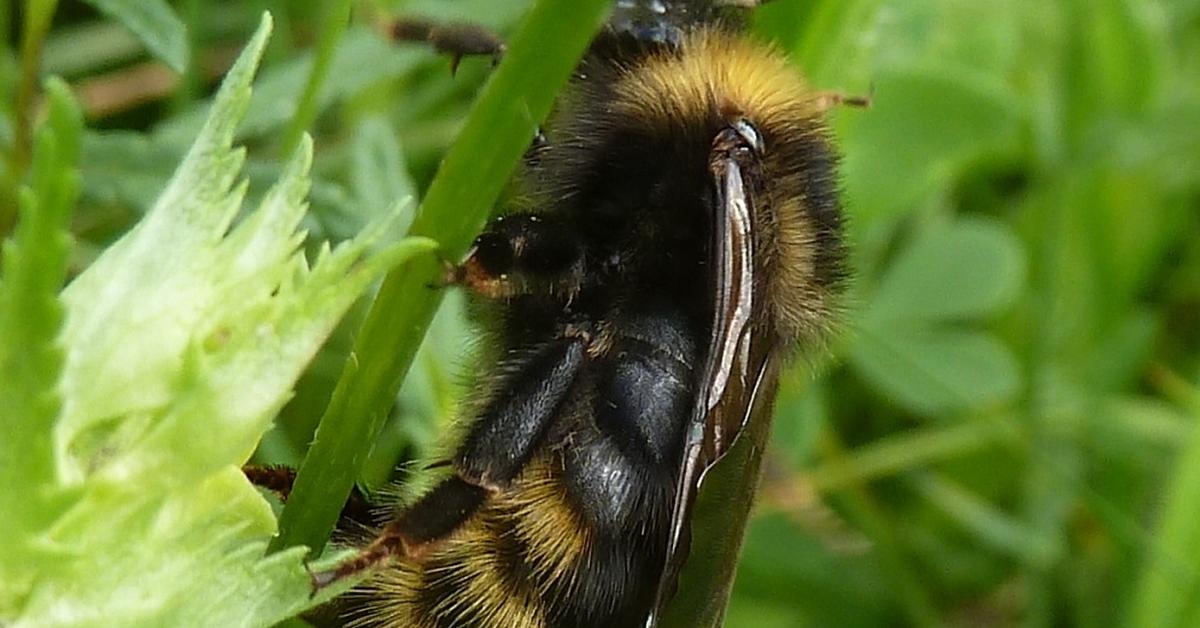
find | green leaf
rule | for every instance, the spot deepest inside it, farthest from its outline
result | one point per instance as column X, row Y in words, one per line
column 155, row 23
column 126, row 167
column 35, row 266
column 181, row 342
column 936, row 371
column 970, row 268
column 378, row 173
column 830, row 44
column 82, row 48
column 429, row 399
column 1125, row 56
column 973, row 267
column 932, row 121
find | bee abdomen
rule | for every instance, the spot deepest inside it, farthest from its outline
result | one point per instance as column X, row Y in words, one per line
column 496, row 570
column 511, row 572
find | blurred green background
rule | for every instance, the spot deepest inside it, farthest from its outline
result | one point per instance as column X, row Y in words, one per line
column 1003, row 434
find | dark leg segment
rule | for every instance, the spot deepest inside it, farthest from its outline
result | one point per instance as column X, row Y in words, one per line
column 457, row 39
column 279, row 480
column 495, row 452
column 501, row 442
column 276, row 478
column 434, row 517
column 439, row 512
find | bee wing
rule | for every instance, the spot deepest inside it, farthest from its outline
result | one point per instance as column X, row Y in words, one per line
column 740, row 358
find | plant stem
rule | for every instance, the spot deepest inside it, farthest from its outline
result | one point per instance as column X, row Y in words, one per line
column 336, row 19
column 869, row 517
column 6, row 11
column 519, row 95
column 38, row 14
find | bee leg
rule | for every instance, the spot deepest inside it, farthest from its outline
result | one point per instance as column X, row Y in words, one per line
column 413, row 531
column 279, row 480
column 515, row 420
column 494, row 453
column 828, row 100
column 523, row 254
column 456, row 39
column 276, row 478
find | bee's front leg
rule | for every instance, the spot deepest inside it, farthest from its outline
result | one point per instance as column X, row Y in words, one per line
column 522, row 254
column 456, row 39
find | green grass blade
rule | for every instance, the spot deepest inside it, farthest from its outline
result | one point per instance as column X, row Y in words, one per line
column 1168, row 595
column 907, row 451
column 518, row 97
column 334, row 25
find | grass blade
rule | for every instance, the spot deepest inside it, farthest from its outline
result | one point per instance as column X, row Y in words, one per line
column 1169, row 592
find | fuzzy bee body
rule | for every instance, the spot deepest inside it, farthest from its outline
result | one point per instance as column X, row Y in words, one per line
column 679, row 233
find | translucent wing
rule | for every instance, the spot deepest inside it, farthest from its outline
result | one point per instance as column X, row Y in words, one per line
column 741, row 359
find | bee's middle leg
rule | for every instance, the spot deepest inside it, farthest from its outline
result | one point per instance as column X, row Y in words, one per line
column 496, row 450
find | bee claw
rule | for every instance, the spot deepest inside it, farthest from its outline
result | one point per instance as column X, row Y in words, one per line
column 320, row 579
column 451, row 276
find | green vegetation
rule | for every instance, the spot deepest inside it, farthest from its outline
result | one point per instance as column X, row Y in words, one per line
column 1004, row 434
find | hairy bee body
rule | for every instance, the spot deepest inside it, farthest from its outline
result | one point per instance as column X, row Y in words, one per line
column 599, row 312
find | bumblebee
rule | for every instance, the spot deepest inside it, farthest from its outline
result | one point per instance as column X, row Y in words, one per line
column 677, row 236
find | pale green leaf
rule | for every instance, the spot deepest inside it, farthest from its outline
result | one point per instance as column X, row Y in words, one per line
column 35, row 265
column 181, row 343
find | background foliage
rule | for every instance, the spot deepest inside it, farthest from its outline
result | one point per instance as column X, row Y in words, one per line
column 1005, row 433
